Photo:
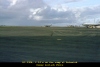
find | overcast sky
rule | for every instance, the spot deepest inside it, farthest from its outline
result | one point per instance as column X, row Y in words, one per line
column 47, row 12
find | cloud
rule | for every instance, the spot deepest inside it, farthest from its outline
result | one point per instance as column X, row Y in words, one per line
column 56, row 14
column 69, row 1
column 17, row 12
column 12, row 2
column 36, row 12
column 4, row 3
column 90, row 11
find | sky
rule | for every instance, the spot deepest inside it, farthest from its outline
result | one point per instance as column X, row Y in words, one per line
column 47, row 12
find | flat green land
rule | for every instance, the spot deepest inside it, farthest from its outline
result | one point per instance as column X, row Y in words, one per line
column 19, row 44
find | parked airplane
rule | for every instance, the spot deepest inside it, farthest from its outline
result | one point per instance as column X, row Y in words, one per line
column 92, row 25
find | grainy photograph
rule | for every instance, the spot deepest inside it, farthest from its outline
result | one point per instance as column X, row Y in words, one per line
column 49, row 31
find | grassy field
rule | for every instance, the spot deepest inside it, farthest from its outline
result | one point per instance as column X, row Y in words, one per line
column 49, row 44
column 47, row 31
